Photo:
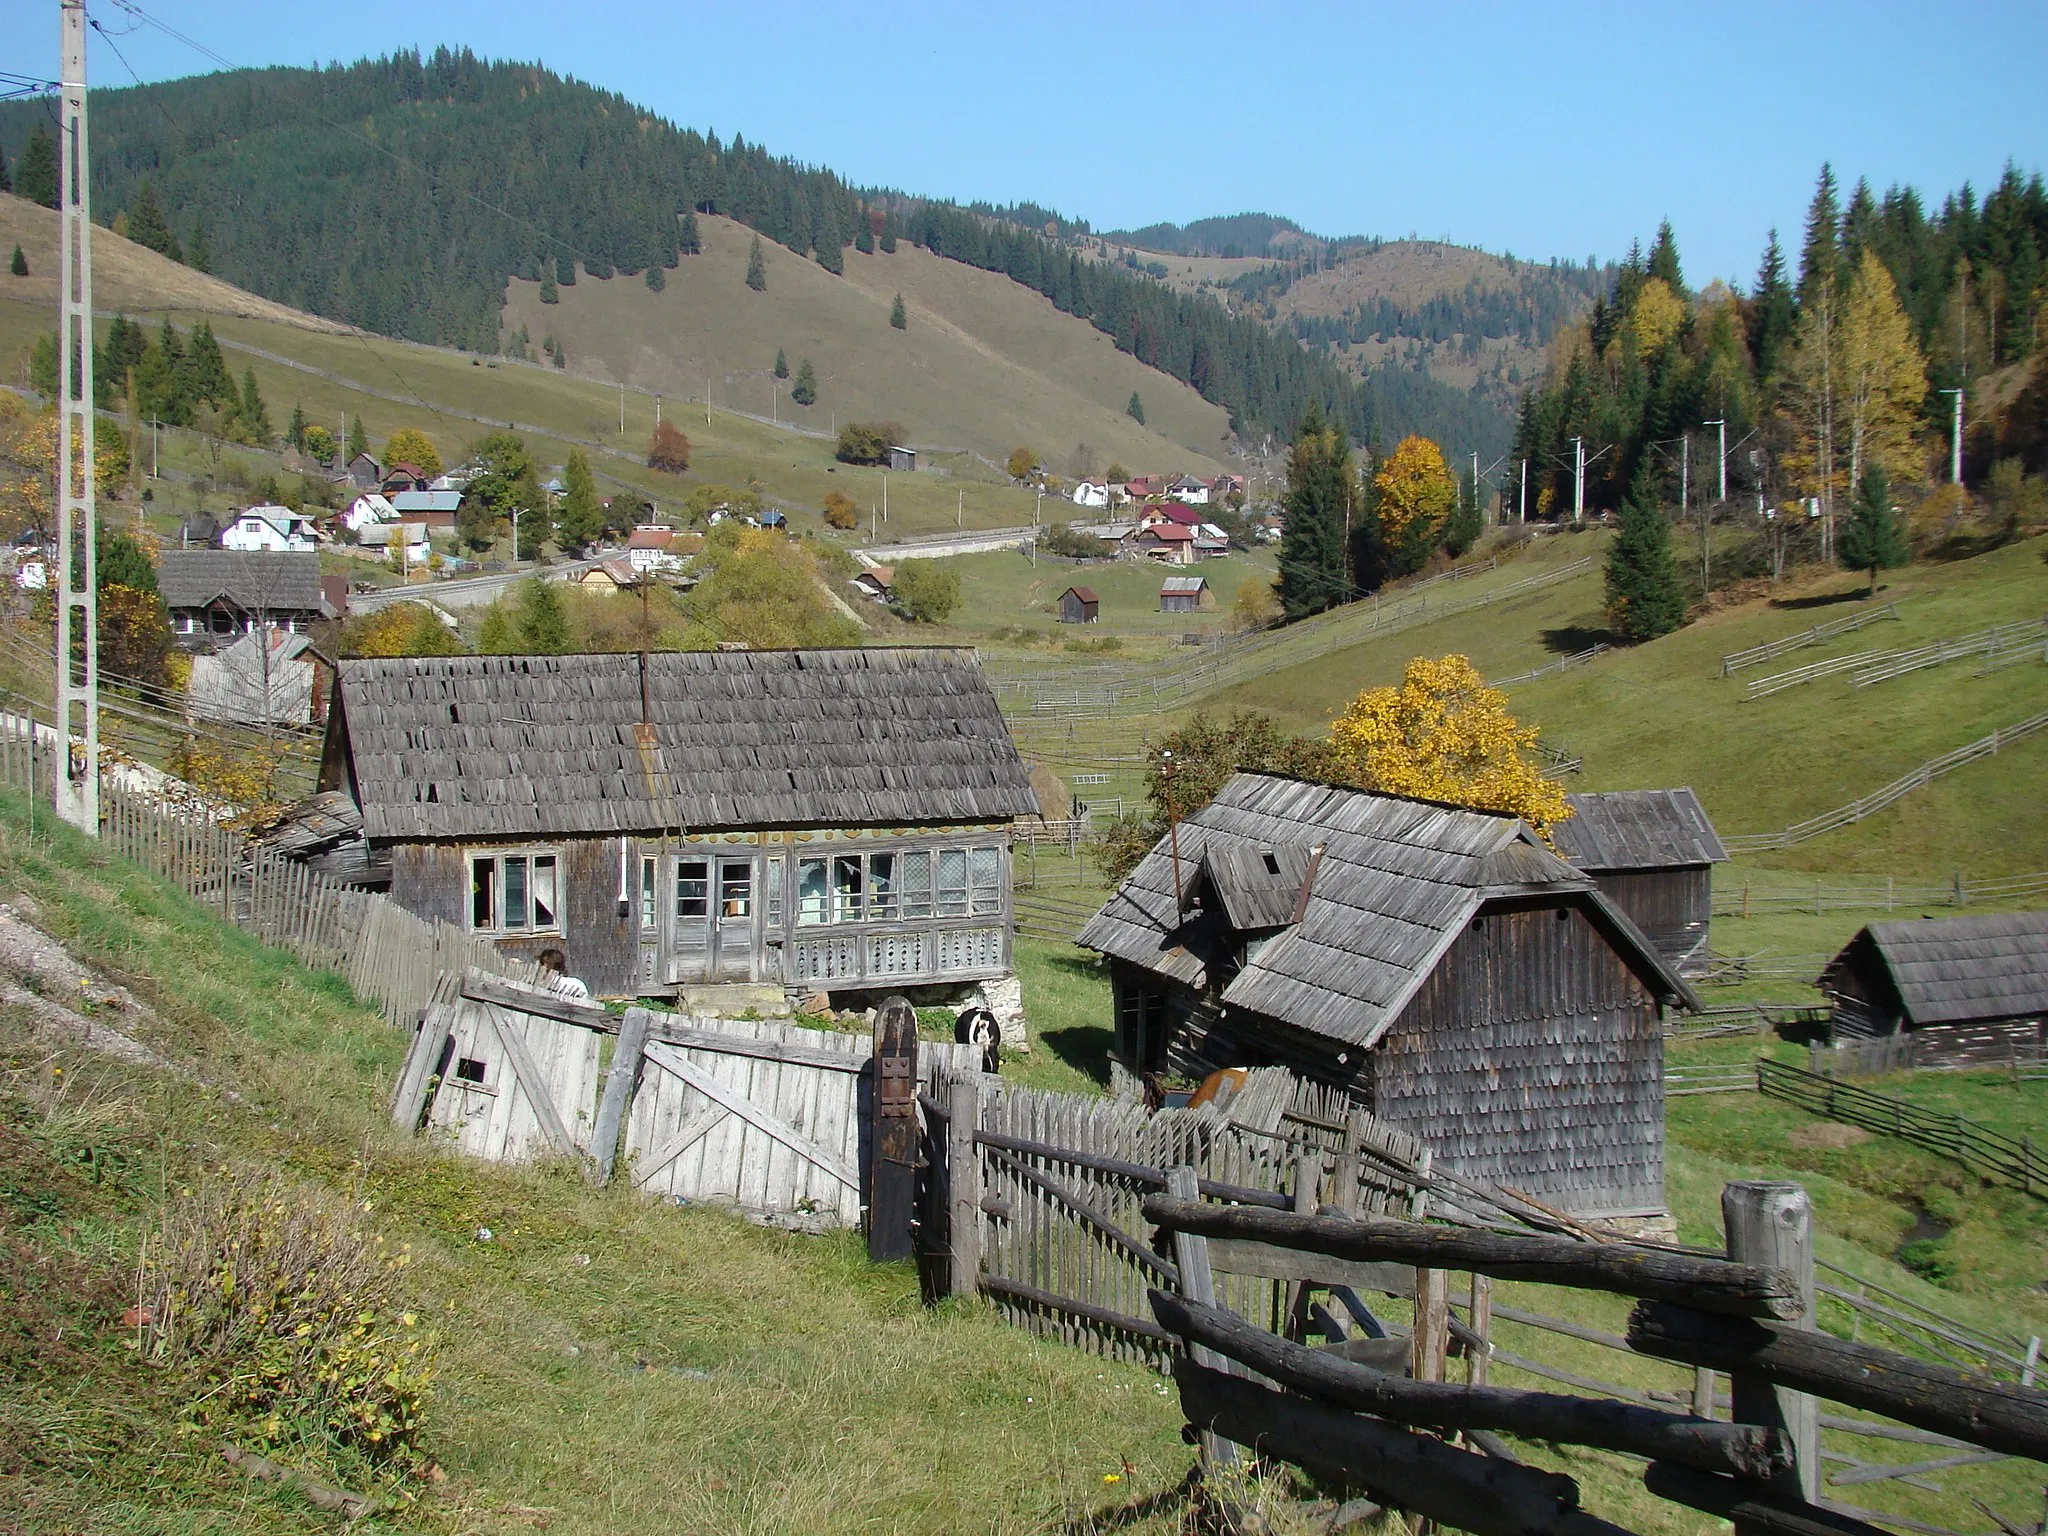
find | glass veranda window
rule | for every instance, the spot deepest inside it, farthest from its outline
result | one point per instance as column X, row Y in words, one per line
column 914, row 884
column 811, row 908
column 693, row 889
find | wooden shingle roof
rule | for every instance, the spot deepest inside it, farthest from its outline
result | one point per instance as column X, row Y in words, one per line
column 512, row 746
column 1638, row 829
column 252, row 580
column 1958, row 969
column 1396, row 884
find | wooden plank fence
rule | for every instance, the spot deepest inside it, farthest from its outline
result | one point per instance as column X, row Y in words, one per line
column 2021, row 1049
column 1877, row 800
column 1985, row 1152
column 1771, row 650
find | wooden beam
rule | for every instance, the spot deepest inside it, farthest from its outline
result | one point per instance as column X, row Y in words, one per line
column 619, row 1081
column 1739, row 1449
column 1137, row 1173
column 536, row 1087
column 963, row 1187
column 1771, row 1223
column 415, row 1079
column 669, row 1059
column 687, row 1135
column 1398, row 1467
column 1067, row 1199
column 1266, row 1261
column 1991, row 1414
column 761, row 1050
column 481, row 988
column 1712, row 1285
column 1750, row 1505
column 1031, row 1295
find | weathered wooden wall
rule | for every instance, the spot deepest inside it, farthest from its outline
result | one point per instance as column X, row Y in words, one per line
column 496, row 1115
column 1671, row 906
column 1532, row 1058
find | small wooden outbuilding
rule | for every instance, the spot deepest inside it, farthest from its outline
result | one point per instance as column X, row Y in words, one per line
column 1080, row 605
column 1926, row 972
column 1652, row 852
column 1441, row 966
column 1185, row 594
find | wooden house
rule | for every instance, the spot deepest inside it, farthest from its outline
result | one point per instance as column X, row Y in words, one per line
column 1080, row 605
column 1441, row 966
column 216, row 594
column 877, row 582
column 818, row 819
column 1185, row 594
column 903, row 459
column 1652, row 852
column 1941, row 972
column 1167, row 542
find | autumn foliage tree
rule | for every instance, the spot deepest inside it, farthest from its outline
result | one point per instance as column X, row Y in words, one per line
column 1444, row 735
column 668, row 450
column 1022, row 464
column 1414, row 495
column 840, row 511
column 409, row 445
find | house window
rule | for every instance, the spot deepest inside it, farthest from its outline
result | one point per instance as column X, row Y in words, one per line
column 914, row 884
column 648, row 901
column 515, row 893
column 882, row 887
column 693, row 889
column 811, row 906
column 985, row 880
column 952, row 882
column 848, row 889
column 774, row 893
column 735, row 890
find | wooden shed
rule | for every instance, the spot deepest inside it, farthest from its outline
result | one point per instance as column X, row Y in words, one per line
column 1080, row 605
column 818, row 819
column 1185, row 594
column 1928, row 972
column 1440, row 965
column 1653, row 852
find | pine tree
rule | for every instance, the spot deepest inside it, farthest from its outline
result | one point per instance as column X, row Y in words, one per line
column 543, row 621
column 806, row 390
column 5, row 184
column 1773, row 316
column 295, row 431
column 1872, row 539
column 1136, row 409
column 781, row 363
column 19, row 265
column 358, row 439
column 207, row 370
column 1820, row 258
column 581, row 517
column 864, row 238
column 549, row 293
column 255, row 416
column 199, row 254
column 35, row 174
column 901, row 321
column 146, row 225
column 1313, row 558
column 757, row 267
column 656, row 278
column 1644, row 598
column 1664, row 259
column 565, row 271
column 889, row 235
column 690, row 242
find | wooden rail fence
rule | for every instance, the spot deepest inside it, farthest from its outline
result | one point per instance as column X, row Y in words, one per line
column 1887, row 895
column 1985, row 1152
column 2021, row 1049
column 1771, row 650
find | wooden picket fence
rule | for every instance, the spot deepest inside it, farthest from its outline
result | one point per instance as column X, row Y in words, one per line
column 1980, row 1149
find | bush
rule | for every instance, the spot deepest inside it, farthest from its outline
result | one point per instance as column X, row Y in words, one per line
column 287, row 1321
column 1256, row 606
column 867, row 442
column 840, row 511
column 926, row 591
column 1062, row 540
column 668, row 450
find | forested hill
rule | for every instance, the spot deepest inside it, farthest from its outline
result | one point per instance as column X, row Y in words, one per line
column 400, row 194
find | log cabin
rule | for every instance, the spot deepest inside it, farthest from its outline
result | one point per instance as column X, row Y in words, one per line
column 826, row 819
column 1942, row 974
column 1442, row 966
column 1652, row 852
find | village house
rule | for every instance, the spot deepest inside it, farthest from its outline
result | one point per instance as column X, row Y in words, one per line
column 436, row 509
column 606, row 575
column 267, row 677
column 651, row 550
column 363, row 472
column 1187, row 488
column 903, row 459
column 370, row 507
column 1652, row 852
column 1442, row 966
column 1174, row 512
column 1210, row 541
column 810, row 819
column 877, row 582
column 1167, row 542
column 1941, row 974
column 1143, row 487
column 403, row 477
column 404, row 544
column 1185, row 594
column 275, row 529
column 1091, row 493
column 215, row 594
column 1224, row 486
column 1080, row 605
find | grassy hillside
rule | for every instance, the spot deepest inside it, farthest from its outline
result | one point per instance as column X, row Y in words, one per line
column 983, row 364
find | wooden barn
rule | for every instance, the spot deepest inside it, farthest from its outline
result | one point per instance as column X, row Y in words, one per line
column 1652, row 852
column 1080, row 605
column 819, row 819
column 1185, row 594
column 1942, row 973
column 1442, row 966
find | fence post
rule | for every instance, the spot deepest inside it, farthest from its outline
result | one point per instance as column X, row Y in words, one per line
column 1198, row 1284
column 963, row 1187
column 1482, row 1327
column 1771, row 1224
column 1308, row 1181
column 892, row 1180
column 1432, row 1325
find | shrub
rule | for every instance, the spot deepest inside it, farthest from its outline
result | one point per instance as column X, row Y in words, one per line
column 668, row 450
column 287, row 1321
column 926, row 591
column 1063, row 540
column 867, row 442
column 840, row 511
column 1256, row 606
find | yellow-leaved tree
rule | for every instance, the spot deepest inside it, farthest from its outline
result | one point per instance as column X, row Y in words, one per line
column 1413, row 494
column 1659, row 315
column 1883, row 378
column 409, row 445
column 1444, row 735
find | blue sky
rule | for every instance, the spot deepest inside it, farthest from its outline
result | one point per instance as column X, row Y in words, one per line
column 1563, row 130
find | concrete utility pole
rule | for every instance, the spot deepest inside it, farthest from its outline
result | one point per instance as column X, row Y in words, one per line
column 1684, row 474
column 1578, row 479
column 1721, row 425
column 1475, row 477
column 1522, row 512
column 960, row 509
column 1955, row 440
column 622, row 408
column 77, row 780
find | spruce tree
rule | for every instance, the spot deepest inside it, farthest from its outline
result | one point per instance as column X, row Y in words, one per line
column 864, row 238
column 889, row 235
column 656, row 278
column 757, row 267
column 358, row 439
column 1773, row 316
column 254, row 414
column 5, row 184
column 581, row 518
column 35, row 174
column 549, row 293
column 1872, row 539
column 901, row 321
column 1644, row 598
column 295, row 430
column 781, row 363
column 1664, row 259
column 146, row 224
column 565, row 271
column 19, row 265
column 1136, row 409
column 1820, row 257
column 690, row 242
column 543, row 621
column 199, row 254
column 806, row 390
column 1314, row 562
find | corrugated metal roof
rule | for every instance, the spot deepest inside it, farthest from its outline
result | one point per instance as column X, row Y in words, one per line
column 1956, row 969
column 1637, row 829
column 509, row 746
column 253, row 580
column 1397, row 882
column 1177, row 584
